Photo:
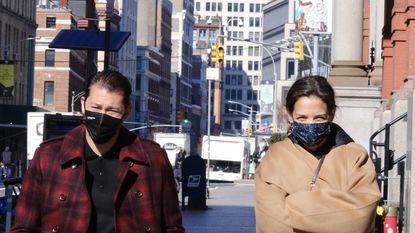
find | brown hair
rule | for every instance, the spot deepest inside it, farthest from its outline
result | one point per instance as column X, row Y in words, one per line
column 308, row 86
column 113, row 81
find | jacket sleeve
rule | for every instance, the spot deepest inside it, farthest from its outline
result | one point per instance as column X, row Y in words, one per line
column 270, row 212
column 171, row 211
column 349, row 210
column 28, row 209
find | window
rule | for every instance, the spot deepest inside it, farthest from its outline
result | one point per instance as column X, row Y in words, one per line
column 208, row 6
column 240, row 50
column 228, row 124
column 213, row 6
column 250, row 65
column 257, row 7
column 234, row 80
column 234, row 50
column 227, row 94
column 290, row 69
column 250, row 51
column 240, row 82
column 50, row 57
column 138, row 82
column 230, row 7
column 256, row 51
column 197, row 6
column 50, row 22
column 228, row 50
column 241, row 7
column 233, row 94
column 235, row 7
column 239, row 94
column 256, row 65
column 249, row 95
column 240, row 65
column 257, row 22
column 251, row 7
column 251, row 21
column 48, row 93
column 255, row 95
column 234, row 65
column 228, row 79
column 238, row 124
column 228, row 65
column 219, row 6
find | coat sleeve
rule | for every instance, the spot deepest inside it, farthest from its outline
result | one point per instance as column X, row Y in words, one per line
column 171, row 210
column 28, row 209
column 270, row 211
column 349, row 210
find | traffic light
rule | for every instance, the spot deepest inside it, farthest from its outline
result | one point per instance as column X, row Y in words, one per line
column 214, row 56
column 298, row 50
column 220, row 52
column 185, row 118
column 179, row 116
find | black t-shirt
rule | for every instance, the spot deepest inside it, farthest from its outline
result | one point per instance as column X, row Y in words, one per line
column 101, row 178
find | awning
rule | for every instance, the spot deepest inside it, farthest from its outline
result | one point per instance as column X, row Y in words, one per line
column 15, row 116
column 88, row 40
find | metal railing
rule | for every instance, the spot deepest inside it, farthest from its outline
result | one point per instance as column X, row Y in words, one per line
column 388, row 164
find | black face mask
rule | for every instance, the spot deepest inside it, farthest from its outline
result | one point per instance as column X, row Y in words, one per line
column 101, row 127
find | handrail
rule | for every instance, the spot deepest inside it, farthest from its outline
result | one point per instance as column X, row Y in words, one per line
column 395, row 162
column 382, row 129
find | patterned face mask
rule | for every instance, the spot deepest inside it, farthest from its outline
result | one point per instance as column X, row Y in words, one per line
column 310, row 134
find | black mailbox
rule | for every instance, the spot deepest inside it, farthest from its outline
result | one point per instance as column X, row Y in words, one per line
column 194, row 182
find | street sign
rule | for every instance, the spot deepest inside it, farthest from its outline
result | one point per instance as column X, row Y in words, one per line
column 212, row 74
column 265, row 123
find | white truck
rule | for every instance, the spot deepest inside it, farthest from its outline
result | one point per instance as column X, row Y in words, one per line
column 171, row 141
column 228, row 157
column 58, row 124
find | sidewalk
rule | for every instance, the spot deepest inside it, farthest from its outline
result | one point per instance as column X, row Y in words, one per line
column 230, row 210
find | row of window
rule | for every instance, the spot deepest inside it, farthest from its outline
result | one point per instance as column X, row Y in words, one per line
column 231, row 7
column 238, row 65
column 238, row 79
column 237, row 94
column 239, row 50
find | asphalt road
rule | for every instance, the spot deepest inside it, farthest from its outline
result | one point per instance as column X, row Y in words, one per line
column 230, row 210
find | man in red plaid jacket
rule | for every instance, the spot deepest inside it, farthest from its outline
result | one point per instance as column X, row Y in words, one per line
column 99, row 177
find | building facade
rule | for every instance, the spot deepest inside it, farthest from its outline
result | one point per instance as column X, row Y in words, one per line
column 128, row 53
column 154, row 48
column 242, row 75
column 60, row 74
column 181, row 59
column 17, row 34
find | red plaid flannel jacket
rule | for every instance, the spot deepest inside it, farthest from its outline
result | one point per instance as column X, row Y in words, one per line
column 54, row 197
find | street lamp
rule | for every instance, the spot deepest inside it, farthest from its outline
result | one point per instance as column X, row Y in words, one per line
column 75, row 98
column 246, row 106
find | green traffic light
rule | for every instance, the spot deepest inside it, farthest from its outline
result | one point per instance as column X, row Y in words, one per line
column 186, row 121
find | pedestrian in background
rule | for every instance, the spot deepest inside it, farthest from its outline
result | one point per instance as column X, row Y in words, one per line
column 99, row 177
column 317, row 179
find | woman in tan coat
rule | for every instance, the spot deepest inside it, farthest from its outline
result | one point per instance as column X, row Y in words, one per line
column 317, row 179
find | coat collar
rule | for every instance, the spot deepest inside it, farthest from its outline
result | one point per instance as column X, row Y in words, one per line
column 131, row 146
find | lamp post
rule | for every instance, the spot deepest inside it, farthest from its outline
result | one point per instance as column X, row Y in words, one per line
column 246, row 106
column 75, row 98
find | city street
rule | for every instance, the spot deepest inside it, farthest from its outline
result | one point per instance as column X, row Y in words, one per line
column 230, row 210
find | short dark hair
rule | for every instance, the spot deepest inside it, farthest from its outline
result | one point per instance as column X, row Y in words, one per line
column 308, row 86
column 113, row 81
